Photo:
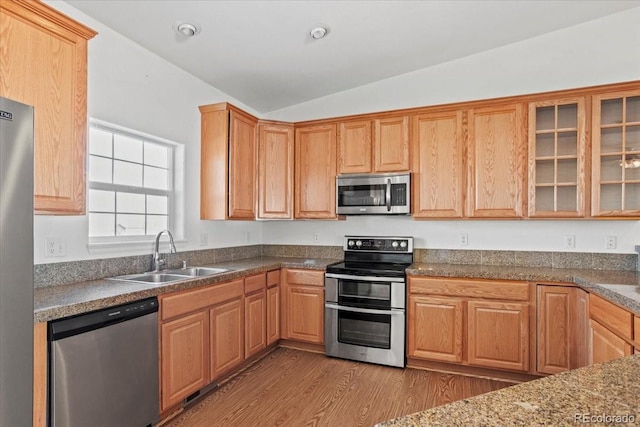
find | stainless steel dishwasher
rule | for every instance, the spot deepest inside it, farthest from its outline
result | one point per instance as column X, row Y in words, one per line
column 104, row 367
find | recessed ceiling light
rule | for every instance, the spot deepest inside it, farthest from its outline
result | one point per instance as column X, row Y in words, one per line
column 187, row 30
column 318, row 32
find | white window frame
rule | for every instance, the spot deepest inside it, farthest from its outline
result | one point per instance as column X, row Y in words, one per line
column 99, row 243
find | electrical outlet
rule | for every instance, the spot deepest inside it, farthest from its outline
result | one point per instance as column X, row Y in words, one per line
column 612, row 242
column 204, row 239
column 464, row 239
column 316, row 237
column 55, row 247
column 570, row 241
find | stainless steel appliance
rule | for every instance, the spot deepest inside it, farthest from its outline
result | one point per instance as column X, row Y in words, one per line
column 104, row 367
column 366, row 299
column 380, row 194
column 16, row 263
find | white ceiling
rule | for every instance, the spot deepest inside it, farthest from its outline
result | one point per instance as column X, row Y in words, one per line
column 260, row 52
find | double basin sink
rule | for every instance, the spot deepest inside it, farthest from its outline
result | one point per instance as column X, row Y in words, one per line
column 173, row 275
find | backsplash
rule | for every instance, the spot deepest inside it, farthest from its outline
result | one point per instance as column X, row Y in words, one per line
column 55, row 274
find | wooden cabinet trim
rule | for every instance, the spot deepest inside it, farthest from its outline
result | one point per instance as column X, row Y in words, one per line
column 471, row 288
column 183, row 302
column 611, row 316
column 46, row 17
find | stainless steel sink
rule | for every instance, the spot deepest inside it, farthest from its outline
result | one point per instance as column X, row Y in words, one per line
column 151, row 278
column 197, row 271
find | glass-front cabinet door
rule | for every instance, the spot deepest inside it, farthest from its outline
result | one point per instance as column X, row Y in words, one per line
column 616, row 154
column 557, row 144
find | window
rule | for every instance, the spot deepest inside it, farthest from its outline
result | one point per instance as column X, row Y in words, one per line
column 131, row 183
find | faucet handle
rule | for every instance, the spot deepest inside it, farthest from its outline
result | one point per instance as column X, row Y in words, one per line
column 184, row 264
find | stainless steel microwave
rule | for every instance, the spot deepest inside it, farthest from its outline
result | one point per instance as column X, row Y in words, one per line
column 374, row 194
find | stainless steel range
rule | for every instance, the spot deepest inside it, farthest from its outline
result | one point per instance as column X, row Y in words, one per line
column 366, row 299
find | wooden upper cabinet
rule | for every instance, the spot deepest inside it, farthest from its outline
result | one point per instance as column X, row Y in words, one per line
column 616, row 154
column 315, row 172
column 391, row 144
column 355, row 147
column 557, row 166
column 43, row 63
column 497, row 149
column 275, row 171
column 438, row 171
column 228, row 163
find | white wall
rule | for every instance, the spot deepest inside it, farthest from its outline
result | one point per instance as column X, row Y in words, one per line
column 597, row 52
column 135, row 88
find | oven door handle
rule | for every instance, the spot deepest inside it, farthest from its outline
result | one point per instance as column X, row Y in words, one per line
column 388, row 195
column 366, row 278
column 392, row 312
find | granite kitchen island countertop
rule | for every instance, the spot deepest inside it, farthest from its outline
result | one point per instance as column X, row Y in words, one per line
column 607, row 393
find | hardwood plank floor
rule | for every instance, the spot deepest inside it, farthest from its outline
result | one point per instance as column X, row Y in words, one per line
column 296, row 388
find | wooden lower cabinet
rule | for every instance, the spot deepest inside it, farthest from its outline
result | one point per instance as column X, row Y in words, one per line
column 273, row 315
column 255, row 318
column 499, row 335
column 606, row 345
column 435, row 328
column 227, row 336
column 611, row 330
column 184, row 357
column 303, row 306
column 636, row 329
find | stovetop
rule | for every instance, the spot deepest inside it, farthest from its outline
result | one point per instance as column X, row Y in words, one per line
column 378, row 269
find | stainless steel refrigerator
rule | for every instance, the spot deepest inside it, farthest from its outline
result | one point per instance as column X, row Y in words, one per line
column 16, row 263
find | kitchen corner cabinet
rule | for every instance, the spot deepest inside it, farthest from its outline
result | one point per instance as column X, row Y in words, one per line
column 562, row 328
column 437, row 147
column 315, row 172
column 43, row 63
column 303, row 306
column 380, row 145
column 480, row 323
column 496, row 161
column 228, row 163
column 611, row 330
column 275, row 170
column 616, row 154
column 273, row 307
column 255, row 314
column 557, row 158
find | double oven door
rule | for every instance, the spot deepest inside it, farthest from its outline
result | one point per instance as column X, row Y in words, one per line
column 365, row 318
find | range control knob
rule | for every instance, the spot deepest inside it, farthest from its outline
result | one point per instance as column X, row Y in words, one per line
column 350, row 243
column 358, row 243
column 403, row 244
column 394, row 244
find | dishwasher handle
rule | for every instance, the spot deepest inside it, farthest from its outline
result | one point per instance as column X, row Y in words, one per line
column 70, row 326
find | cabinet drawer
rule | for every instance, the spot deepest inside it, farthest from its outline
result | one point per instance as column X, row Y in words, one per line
column 187, row 301
column 501, row 290
column 306, row 277
column 613, row 317
column 255, row 283
column 273, row 278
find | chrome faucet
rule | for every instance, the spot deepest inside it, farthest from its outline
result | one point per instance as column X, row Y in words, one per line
column 158, row 263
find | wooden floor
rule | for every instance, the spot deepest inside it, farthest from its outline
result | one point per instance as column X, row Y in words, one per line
column 296, row 388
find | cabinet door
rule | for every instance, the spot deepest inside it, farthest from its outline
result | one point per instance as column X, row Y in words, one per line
column 275, row 181
column 185, row 354
column 616, row 154
column 227, row 337
column 499, row 335
column 255, row 326
column 555, row 306
column 557, row 150
column 44, row 64
column 354, row 147
column 606, row 345
column 438, row 170
column 305, row 313
column 315, row 171
column 273, row 315
column 496, row 162
column 435, row 328
column 391, row 144
column 242, row 166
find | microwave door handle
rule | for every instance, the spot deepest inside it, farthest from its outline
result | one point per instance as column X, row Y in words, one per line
column 388, row 195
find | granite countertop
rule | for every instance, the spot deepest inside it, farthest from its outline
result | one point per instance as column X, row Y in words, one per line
column 55, row 302
column 620, row 287
column 610, row 389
